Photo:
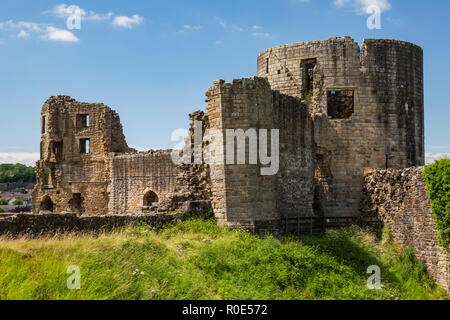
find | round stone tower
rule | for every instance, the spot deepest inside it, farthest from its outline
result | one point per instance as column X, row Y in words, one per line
column 367, row 105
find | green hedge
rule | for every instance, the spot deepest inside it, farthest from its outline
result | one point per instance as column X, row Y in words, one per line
column 437, row 177
column 1, row 210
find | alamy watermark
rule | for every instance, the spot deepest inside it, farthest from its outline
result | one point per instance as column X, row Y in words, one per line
column 74, row 281
column 374, row 20
column 211, row 147
column 374, row 281
column 73, row 21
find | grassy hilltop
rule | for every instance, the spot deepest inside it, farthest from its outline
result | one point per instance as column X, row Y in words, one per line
column 199, row 260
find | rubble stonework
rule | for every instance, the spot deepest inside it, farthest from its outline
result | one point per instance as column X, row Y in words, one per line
column 367, row 105
column 340, row 109
column 399, row 199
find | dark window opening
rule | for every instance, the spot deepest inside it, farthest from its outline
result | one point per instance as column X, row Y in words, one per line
column 150, row 198
column 341, row 104
column 82, row 121
column 44, row 124
column 58, row 150
column 76, row 203
column 267, row 65
column 85, row 146
column 47, row 204
column 307, row 67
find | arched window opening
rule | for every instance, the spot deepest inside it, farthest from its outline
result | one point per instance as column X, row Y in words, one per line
column 150, row 198
column 47, row 204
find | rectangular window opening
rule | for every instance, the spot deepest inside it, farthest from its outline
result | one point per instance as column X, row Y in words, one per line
column 341, row 104
column 58, row 150
column 82, row 121
column 267, row 65
column 85, row 146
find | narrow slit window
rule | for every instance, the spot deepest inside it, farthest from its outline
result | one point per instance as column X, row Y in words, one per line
column 307, row 67
column 267, row 65
column 44, row 124
column 85, row 146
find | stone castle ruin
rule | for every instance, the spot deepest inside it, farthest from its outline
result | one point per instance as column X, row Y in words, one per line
column 350, row 124
column 341, row 111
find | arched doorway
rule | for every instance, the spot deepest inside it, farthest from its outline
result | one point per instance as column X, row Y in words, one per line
column 47, row 204
column 150, row 198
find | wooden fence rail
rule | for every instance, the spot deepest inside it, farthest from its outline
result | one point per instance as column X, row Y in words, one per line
column 311, row 225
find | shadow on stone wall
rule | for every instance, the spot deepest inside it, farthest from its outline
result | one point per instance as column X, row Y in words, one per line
column 400, row 200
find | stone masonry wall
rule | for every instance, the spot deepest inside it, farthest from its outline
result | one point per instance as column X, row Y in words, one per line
column 44, row 224
column 367, row 107
column 295, row 179
column 247, row 196
column 399, row 199
column 78, row 171
column 242, row 196
column 133, row 175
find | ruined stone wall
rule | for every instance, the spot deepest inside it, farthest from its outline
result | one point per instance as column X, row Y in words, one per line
column 367, row 108
column 295, row 179
column 105, row 176
column 399, row 199
column 134, row 175
column 33, row 225
column 76, row 140
column 192, row 192
column 242, row 196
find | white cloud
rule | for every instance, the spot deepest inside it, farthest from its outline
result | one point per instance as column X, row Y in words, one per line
column 232, row 27
column 363, row 6
column 61, row 35
column 127, row 22
column 28, row 159
column 23, row 34
column 236, row 28
column 257, row 27
column 64, row 11
column 261, row 35
column 141, row 148
column 188, row 27
column 24, row 25
column 432, row 157
column 47, row 32
column 221, row 22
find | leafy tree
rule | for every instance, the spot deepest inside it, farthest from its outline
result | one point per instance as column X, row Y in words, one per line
column 16, row 173
column 18, row 203
column 3, row 202
column 1, row 210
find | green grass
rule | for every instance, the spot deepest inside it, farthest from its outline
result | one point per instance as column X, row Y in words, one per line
column 199, row 260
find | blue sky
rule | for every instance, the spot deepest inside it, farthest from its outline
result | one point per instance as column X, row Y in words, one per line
column 152, row 61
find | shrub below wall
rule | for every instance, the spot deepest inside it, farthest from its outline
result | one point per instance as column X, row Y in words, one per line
column 437, row 177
